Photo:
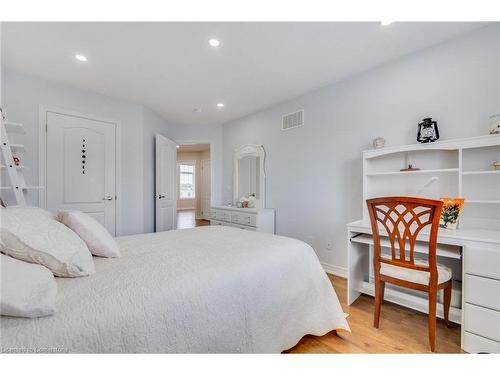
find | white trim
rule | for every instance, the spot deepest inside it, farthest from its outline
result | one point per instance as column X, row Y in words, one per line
column 42, row 156
column 203, row 161
column 335, row 270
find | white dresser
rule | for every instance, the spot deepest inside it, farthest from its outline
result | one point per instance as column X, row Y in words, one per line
column 261, row 220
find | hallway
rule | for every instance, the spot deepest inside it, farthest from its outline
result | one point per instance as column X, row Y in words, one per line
column 187, row 219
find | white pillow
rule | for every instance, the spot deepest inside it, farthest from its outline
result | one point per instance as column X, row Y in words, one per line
column 26, row 290
column 29, row 234
column 97, row 238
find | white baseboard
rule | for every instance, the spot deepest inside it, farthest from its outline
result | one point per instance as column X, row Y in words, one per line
column 334, row 270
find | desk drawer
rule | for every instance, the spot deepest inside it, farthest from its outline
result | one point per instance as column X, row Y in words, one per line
column 482, row 261
column 482, row 291
column 244, row 219
column 482, row 321
column 477, row 344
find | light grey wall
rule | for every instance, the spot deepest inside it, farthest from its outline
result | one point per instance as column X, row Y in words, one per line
column 22, row 96
column 314, row 173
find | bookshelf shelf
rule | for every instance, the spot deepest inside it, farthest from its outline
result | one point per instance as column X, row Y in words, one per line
column 422, row 171
column 447, row 169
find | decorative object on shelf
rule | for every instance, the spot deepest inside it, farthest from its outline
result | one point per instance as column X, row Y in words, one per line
column 495, row 124
column 450, row 213
column 17, row 161
column 246, row 202
column 378, row 142
column 410, row 168
column 496, row 165
column 427, row 131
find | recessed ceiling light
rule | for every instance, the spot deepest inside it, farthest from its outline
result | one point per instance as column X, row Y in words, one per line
column 177, row 146
column 386, row 23
column 214, row 42
column 220, row 105
column 80, row 57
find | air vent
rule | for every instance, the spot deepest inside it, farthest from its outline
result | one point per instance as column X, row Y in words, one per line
column 292, row 120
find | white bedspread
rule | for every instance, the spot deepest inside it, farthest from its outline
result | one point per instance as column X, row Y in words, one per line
column 209, row 289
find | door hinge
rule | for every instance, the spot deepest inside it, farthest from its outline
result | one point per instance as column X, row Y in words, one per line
column 46, row 128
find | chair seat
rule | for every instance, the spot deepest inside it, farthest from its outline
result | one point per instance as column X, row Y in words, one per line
column 415, row 276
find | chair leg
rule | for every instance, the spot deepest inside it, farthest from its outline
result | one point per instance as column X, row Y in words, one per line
column 447, row 303
column 432, row 318
column 379, row 297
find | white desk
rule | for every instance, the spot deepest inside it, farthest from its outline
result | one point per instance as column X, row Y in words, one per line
column 475, row 259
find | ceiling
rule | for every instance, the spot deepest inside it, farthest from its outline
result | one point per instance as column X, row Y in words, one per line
column 193, row 148
column 170, row 67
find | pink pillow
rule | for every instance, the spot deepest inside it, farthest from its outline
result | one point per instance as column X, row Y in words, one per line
column 97, row 238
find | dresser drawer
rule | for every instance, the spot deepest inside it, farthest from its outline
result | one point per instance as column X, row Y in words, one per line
column 225, row 216
column 244, row 219
column 221, row 215
column 482, row 291
column 482, row 321
column 477, row 344
column 482, row 261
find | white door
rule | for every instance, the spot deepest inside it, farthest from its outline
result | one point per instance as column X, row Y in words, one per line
column 165, row 197
column 206, row 189
column 81, row 167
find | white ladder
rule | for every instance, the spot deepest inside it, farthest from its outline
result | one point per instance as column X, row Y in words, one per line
column 15, row 172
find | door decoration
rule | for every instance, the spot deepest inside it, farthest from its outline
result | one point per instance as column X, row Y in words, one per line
column 83, row 156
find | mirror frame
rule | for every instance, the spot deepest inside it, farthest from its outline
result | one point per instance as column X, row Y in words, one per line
column 257, row 151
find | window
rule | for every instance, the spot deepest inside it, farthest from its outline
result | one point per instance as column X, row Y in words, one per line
column 187, row 179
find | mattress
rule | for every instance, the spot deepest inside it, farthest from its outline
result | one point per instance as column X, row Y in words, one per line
column 211, row 289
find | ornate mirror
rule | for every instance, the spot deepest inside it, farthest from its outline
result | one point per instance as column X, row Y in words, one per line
column 249, row 174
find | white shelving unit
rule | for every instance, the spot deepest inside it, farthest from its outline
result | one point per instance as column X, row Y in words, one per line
column 14, row 173
column 452, row 168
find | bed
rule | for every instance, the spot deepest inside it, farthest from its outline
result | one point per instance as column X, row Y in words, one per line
column 204, row 290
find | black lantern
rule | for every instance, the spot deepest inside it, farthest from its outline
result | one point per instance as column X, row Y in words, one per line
column 427, row 131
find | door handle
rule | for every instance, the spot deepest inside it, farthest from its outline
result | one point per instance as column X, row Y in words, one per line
column 161, row 196
column 107, row 198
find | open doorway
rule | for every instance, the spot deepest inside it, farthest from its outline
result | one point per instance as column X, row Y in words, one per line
column 193, row 185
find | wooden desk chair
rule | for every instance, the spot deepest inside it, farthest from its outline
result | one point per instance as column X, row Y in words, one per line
column 403, row 218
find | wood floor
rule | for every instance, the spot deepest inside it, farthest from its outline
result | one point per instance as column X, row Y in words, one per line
column 401, row 330
column 187, row 219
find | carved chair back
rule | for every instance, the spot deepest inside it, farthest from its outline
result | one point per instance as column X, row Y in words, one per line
column 402, row 219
